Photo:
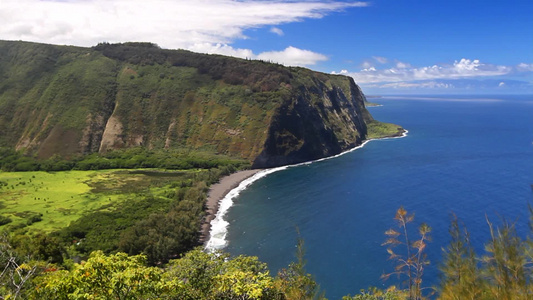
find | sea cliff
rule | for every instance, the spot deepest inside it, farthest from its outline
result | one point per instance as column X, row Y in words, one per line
column 67, row 101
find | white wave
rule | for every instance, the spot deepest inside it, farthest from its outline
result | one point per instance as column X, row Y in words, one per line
column 219, row 226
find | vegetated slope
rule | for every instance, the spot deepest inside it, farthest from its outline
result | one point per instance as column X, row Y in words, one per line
column 62, row 100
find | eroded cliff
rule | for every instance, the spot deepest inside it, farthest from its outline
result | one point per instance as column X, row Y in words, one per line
column 58, row 100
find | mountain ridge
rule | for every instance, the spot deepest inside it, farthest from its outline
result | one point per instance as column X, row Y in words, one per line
column 66, row 100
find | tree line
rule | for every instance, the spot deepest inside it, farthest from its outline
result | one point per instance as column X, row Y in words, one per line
column 131, row 158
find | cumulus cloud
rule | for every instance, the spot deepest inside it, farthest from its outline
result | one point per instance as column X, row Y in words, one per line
column 465, row 74
column 293, row 56
column 402, row 72
column 523, row 67
column 277, row 31
column 170, row 24
column 223, row 49
column 402, row 65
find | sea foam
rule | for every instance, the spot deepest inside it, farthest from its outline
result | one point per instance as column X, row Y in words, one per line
column 219, row 226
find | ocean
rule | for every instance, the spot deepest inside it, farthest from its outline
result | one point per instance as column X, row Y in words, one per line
column 467, row 155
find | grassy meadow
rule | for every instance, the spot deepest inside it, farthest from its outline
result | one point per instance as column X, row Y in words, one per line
column 377, row 130
column 49, row 201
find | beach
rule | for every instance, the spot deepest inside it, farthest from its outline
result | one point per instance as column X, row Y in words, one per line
column 220, row 190
column 216, row 193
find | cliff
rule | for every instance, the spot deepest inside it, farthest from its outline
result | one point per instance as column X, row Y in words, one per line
column 62, row 100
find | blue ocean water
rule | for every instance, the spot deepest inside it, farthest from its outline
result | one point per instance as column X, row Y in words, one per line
column 469, row 155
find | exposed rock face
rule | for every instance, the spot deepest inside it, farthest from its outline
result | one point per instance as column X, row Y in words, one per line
column 58, row 100
column 303, row 129
column 111, row 138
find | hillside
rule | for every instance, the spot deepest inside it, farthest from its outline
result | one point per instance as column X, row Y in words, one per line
column 63, row 100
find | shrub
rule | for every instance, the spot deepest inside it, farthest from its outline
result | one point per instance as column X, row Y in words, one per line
column 35, row 219
column 4, row 220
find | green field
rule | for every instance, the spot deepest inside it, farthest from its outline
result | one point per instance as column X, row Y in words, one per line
column 51, row 200
column 377, row 130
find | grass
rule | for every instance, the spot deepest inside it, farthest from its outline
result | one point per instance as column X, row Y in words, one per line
column 376, row 130
column 49, row 201
column 371, row 104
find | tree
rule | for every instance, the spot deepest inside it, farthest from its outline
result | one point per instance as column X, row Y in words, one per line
column 295, row 282
column 16, row 273
column 117, row 276
column 197, row 270
column 216, row 276
column 243, row 277
column 461, row 275
column 506, row 265
column 376, row 294
column 413, row 261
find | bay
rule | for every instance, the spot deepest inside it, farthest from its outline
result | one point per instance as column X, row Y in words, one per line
column 467, row 155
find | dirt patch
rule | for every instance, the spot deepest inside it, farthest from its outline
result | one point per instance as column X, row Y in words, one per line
column 60, row 141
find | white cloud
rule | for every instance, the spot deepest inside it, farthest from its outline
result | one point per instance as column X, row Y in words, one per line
column 402, row 65
column 170, row 24
column 501, row 84
column 277, row 31
column 523, row 67
column 223, row 49
column 293, row 56
column 402, row 72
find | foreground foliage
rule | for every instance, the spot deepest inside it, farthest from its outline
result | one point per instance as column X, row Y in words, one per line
column 413, row 261
column 36, row 268
column 117, row 276
column 504, row 271
column 197, row 275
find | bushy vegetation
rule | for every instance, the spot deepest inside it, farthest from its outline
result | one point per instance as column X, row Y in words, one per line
column 132, row 158
column 502, row 272
column 35, row 269
column 196, row 275
column 157, row 212
column 260, row 76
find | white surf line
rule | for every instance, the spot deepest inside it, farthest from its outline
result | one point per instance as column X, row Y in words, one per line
column 219, row 226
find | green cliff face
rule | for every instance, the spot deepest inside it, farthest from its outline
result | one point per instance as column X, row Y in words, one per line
column 59, row 100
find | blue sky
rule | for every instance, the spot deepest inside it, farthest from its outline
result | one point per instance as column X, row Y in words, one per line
column 387, row 46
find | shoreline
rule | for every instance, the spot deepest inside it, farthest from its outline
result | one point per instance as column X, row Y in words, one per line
column 216, row 193
column 230, row 186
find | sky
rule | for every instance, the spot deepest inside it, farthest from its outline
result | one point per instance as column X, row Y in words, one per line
column 387, row 46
